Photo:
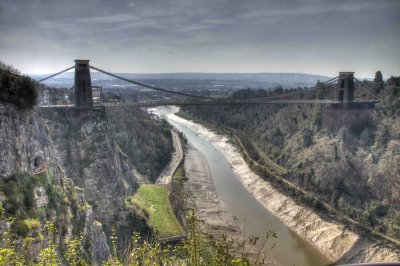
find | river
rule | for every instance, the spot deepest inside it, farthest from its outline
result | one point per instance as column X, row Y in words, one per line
column 235, row 199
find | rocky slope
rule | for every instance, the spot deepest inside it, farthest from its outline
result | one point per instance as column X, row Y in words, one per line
column 100, row 150
column 75, row 167
column 26, row 149
column 331, row 238
column 334, row 152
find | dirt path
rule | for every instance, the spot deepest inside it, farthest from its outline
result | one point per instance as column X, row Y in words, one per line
column 166, row 175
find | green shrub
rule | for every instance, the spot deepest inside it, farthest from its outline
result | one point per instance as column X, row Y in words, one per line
column 308, row 139
column 20, row 228
column 381, row 210
column 23, row 227
column 18, row 192
column 33, row 224
column 1, row 210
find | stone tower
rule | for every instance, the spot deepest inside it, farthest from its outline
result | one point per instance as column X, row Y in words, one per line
column 345, row 92
column 83, row 84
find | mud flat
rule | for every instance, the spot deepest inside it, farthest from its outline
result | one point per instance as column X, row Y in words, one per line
column 330, row 238
column 202, row 195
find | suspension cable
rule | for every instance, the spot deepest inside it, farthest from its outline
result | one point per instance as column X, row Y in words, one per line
column 149, row 86
column 330, row 80
column 368, row 89
column 302, row 91
column 58, row 73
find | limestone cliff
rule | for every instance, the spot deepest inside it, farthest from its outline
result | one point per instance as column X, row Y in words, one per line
column 75, row 167
column 86, row 149
column 98, row 149
column 33, row 186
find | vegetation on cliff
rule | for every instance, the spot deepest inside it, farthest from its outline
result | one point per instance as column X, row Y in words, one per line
column 46, row 154
column 146, row 141
column 196, row 250
column 333, row 153
column 108, row 152
column 15, row 89
column 27, row 205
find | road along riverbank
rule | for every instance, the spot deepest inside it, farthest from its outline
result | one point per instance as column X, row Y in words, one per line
column 177, row 157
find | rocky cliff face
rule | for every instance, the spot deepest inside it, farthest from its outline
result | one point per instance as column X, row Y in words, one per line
column 24, row 137
column 99, row 148
column 89, row 154
column 33, row 186
column 145, row 141
column 75, row 167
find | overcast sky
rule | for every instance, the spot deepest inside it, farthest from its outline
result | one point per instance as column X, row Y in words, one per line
column 153, row 36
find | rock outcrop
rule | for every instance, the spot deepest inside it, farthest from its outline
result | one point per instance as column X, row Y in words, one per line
column 108, row 152
column 29, row 169
column 75, row 167
column 87, row 150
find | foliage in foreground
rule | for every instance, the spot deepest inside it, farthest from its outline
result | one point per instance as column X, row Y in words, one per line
column 197, row 250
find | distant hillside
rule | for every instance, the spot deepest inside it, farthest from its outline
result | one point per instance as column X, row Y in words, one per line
column 231, row 80
column 348, row 156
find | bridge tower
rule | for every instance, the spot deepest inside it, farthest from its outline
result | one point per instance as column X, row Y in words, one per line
column 83, row 84
column 345, row 91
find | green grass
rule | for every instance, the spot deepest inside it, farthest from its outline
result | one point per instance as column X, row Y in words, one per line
column 154, row 199
column 180, row 175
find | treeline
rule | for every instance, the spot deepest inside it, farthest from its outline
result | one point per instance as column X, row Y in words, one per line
column 21, row 91
column 278, row 91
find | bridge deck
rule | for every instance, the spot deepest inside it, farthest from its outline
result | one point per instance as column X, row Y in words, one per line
column 211, row 102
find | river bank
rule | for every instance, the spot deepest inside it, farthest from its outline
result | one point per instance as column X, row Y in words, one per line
column 331, row 238
column 203, row 197
column 200, row 189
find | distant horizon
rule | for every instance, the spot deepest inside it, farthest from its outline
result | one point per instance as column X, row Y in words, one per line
column 161, row 73
column 385, row 77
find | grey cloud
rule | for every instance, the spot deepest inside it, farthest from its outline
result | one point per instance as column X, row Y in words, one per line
column 178, row 34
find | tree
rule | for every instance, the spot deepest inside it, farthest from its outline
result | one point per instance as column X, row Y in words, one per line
column 320, row 94
column 278, row 90
column 378, row 80
column 8, row 68
column 18, row 90
column 394, row 81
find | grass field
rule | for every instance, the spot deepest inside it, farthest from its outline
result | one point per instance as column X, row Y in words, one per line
column 154, row 199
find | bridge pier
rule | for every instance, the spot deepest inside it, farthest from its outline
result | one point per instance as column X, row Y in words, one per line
column 83, row 84
column 345, row 91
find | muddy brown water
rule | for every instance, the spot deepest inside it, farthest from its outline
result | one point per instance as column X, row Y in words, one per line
column 290, row 248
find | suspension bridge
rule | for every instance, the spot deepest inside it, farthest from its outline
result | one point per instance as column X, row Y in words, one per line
column 344, row 88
